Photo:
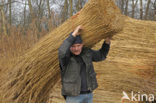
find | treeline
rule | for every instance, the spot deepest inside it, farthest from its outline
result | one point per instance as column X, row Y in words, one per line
column 47, row 14
column 24, row 22
column 139, row 9
column 42, row 15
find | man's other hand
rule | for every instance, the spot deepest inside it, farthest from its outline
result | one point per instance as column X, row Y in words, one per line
column 108, row 40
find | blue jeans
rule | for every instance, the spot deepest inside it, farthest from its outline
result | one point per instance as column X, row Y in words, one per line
column 82, row 98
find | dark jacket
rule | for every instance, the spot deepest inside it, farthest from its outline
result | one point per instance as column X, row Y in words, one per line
column 70, row 68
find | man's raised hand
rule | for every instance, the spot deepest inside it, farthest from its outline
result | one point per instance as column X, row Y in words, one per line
column 77, row 31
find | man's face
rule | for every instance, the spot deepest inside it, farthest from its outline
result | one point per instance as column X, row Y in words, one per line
column 76, row 48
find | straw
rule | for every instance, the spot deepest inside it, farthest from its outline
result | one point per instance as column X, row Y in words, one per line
column 35, row 74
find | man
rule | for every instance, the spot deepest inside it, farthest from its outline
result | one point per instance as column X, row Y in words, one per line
column 78, row 77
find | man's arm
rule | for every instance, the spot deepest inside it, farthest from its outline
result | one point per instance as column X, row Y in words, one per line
column 64, row 50
column 101, row 54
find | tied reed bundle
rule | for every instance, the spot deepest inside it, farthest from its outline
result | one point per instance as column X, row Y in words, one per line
column 35, row 74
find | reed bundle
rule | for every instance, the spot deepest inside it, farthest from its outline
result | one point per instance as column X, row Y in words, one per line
column 130, row 65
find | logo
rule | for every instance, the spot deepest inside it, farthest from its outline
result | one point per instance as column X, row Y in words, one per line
column 137, row 97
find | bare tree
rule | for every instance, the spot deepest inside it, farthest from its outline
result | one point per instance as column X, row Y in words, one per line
column 133, row 7
column 31, row 9
column 3, row 20
column 71, row 7
column 122, row 5
column 40, row 9
column 126, row 8
column 79, row 5
column 154, row 5
column 65, row 11
column 0, row 22
column 10, row 12
column 40, row 15
column 141, row 10
column 24, row 15
column 147, row 9
column 49, row 11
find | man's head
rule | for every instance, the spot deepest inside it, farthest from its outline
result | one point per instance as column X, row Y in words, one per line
column 77, row 46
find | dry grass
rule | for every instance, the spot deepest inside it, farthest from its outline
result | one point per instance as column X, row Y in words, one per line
column 37, row 71
column 15, row 44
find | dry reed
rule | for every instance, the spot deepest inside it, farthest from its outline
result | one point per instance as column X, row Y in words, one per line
column 36, row 72
column 130, row 65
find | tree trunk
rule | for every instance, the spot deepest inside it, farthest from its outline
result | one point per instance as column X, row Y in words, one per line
column 65, row 11
column 133, row 7
column 71, row 7
column 49, row 11
column 37, row 71
column 10, row 13
column 81, row 4
column 126, row 8
column 147, row 9
column 122, row 6
column 154, row 5
column 24, row 15
column 31, row 10
column 78, row 6
column 40, row 10
column 3, row 20
column 40, row 14
column 141, row 10
column 1, row 23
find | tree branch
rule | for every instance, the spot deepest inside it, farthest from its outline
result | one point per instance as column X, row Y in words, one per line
column 13, row 2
